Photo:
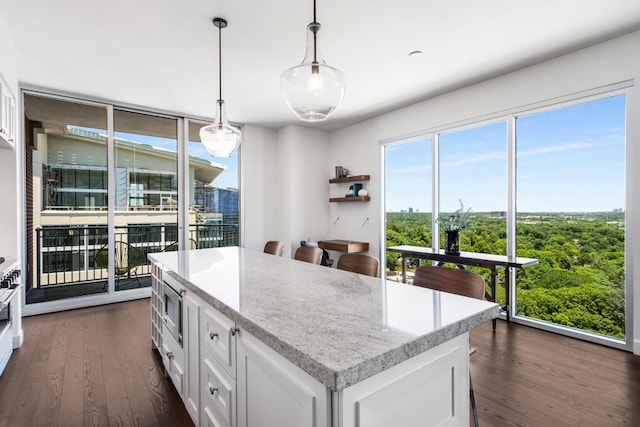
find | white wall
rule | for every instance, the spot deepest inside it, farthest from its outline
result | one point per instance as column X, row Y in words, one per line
column 360, row 158
column 284, row 184
column 9, row 226
column 607, row 63
column 303, row 185
column 258, row 178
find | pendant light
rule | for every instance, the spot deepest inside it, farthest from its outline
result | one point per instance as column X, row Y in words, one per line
column 219, row 138
column 313, row 90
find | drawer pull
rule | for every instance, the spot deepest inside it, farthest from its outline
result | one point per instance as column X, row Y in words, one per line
column 213, row 390
column 170, row 355
column 213, row 335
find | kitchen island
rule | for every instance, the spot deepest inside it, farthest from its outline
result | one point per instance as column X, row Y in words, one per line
column 266, row 340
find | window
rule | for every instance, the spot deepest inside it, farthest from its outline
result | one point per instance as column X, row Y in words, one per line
column 408, row 181
column 567, row 209
column 571, row 181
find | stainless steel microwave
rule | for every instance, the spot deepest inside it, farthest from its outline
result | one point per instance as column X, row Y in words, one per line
column 172, row 313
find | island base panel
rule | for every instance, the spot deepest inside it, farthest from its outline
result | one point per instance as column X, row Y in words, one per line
column 431, row 389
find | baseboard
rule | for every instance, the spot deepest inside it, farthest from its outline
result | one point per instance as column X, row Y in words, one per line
column 636, row 347
column 18, row 339
column 86, row 301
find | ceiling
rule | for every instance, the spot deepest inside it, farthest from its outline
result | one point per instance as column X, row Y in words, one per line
column 163, row 53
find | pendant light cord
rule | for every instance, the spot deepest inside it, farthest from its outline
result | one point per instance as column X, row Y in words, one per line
column 220, row 73
column 315, row 34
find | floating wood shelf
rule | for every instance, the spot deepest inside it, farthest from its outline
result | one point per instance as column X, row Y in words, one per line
column 350, row 179
column 346, row 246
column 350, row 199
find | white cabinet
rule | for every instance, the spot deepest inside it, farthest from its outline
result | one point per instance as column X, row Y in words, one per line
column 173, row 360
column 218, row 336
column 156, row 306
column 191, row 323
column 217, row 392
column 7, row 116
column 430, row 389
column 217, row 368
column 274, row 392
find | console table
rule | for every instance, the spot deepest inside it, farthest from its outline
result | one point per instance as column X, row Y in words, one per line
column 490, row 261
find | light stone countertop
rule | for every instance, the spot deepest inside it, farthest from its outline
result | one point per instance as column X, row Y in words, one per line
column 339, row 327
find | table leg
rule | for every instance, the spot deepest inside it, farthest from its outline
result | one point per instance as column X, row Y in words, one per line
column 404, row 269
column 492, row 297
column 507, row 286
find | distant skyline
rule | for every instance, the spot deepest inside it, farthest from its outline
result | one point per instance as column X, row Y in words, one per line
column 567, row 160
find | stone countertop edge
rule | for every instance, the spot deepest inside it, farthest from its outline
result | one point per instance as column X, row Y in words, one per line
column 339, row 380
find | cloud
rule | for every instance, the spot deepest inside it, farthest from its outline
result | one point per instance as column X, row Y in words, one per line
column 479, row 158
column 555, row 149
column 412, row 169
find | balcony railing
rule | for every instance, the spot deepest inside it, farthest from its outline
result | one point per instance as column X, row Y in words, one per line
column 69, row 255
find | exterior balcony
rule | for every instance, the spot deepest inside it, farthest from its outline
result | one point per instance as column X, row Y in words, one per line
column 72, row 261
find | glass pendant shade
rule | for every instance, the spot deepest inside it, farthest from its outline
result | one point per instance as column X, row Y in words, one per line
column 313, row 90
column 219, row 138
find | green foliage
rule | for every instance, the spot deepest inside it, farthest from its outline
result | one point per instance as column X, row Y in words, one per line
column 580, row 277
column 455, row 221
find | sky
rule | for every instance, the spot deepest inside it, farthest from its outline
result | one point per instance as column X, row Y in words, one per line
column 567, row 160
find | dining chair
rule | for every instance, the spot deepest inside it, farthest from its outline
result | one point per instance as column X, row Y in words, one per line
column 455, row 281
column 359, row 263
column 274, row 247
column 308, row 254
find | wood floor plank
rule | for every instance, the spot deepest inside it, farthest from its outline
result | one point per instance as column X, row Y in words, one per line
column 71, row 403
column 162, row 393
column 540, row 378
column 48, row 408
column 127, row 340
column 16, row 371
column 29, row 391
column 95, row 401
column 114, row 386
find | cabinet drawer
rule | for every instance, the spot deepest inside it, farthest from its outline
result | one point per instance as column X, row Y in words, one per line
column 210, row 419
column 177, row 376
column 218, row 393
column 173, row 361
column 218, row 337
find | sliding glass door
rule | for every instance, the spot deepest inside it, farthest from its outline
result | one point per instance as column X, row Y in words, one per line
column 571, row 216
column 107, row 185
column 146, row 193
column 67, row 193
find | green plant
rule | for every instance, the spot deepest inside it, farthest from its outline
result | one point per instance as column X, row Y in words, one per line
column 456, row 221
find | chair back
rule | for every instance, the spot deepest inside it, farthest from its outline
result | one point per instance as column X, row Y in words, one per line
column 359, row 263
column 308, row 254
column 126, row 258
column 274, row 247
column 452, row 280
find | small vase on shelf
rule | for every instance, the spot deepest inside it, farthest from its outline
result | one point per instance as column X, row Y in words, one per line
column 452, row 242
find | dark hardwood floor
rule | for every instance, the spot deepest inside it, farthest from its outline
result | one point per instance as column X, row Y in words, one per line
column 527, row 377
column 95, row 366
column 89, row 367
